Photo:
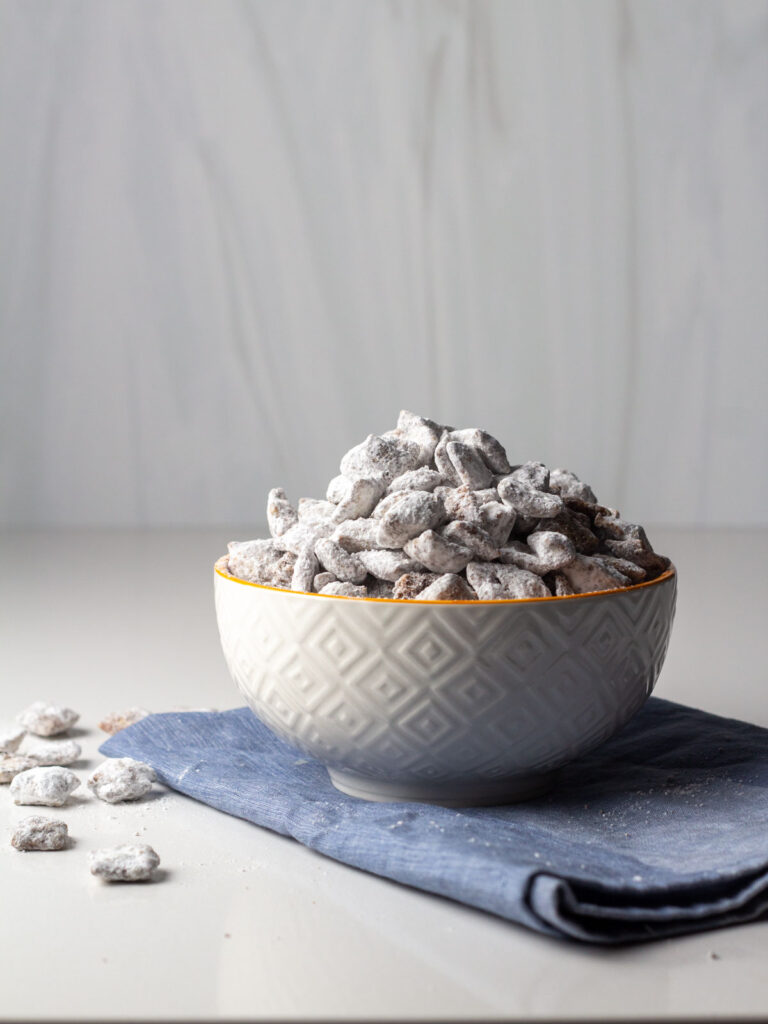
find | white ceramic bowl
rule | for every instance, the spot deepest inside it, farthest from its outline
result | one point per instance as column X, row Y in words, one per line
column 465, row 702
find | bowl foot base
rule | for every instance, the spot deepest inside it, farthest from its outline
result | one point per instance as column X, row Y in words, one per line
column 478, row 793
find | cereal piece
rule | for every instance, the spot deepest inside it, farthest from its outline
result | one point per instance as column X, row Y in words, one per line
column 281, row 515
column 379, row 458
column 568, row 485
column 282, row 575
column 297, row 538
column 527, row 502
column 545, row 552
column 412, row 514
column 586, row 575
column 127, row 863
column 552, row 549
column 588, row 509
column 558, row 584
column 443, row 462
column 635, row 572
column 468, row 465
column 388, row 502
column 640, row 552
column 315, row 510
column 387, row 565
column 38, row 833
column 497, row 520
column 422, row 479
column 12, row 765
column 345, row 565
column 304, row 570
column 408, row 586
column 10, row 738
column 422, row 432
column 358, row 500
column 45, row 719
column 322, row 580
column 48, row 787
column 48, row 753
column 117, row 720
column 357, row 534
column 437, row 554
column 464, row 503
column 519, row 554
column 471, row 536
column 448, row 587
column 533, row 475
column 484, row 580
column 379, row 588
column 344, row 590
column 494, row 582
column 486, row 444
column 572, row 527
column 121, row 778
column 253, row 560
column 628, row 540
column 337, row 488
column 518, row 583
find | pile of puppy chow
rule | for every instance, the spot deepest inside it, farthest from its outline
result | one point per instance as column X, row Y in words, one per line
column 428, row 513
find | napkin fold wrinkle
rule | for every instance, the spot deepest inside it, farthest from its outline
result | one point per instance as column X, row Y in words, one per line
column 662, row 830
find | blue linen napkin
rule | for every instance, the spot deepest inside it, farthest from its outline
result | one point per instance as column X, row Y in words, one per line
column 662, row 830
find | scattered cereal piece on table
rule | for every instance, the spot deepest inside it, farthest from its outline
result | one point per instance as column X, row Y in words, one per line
column 38, row 833
column 10, row 738
column 44, row 719
column 49, row 753
column 12, row 765
column 117, row 720
column 45, row 787
column 128, row 863
column 121, row 778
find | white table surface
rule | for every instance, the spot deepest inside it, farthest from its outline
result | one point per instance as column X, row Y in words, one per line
column 247, row 924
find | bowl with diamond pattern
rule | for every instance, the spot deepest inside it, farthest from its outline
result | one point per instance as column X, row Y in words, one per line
column 458, row 703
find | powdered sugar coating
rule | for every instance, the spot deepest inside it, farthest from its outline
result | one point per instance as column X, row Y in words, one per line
column 45, row 719
column 345, row 565
column 11, row 737
column 411, row 515
column 388, row 565
column 281, row 515
column 12, row 765
column 117, row 720
column 45, row 787
column 437, row 553
column 358, row 499
column 340, row 589
column 129, row 863
column 305, row 570
column 423, row 501
column 448, row 587
column 38, row 833
column 48, row 753
column 468, row 465
column 121, row 778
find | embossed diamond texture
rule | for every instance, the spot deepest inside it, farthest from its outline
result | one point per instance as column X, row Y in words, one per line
column 428, row 692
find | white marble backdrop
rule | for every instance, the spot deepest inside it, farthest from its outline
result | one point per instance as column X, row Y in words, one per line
column 238, row 236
